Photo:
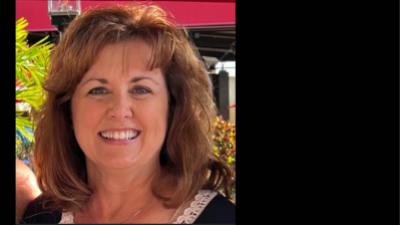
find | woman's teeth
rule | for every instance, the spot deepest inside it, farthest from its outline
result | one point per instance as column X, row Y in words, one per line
column 120, row 135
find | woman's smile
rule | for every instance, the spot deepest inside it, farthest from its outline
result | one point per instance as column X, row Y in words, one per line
column 122, row 136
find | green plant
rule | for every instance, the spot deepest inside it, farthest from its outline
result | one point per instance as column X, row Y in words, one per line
column 225, row 141
column 31, row 67
column 224, row 148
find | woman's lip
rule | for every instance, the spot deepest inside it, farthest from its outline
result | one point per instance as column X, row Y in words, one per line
column 118, row 135
column 119, row 129
column 118, row 141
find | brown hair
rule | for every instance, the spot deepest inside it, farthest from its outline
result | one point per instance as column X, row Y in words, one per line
column 187, row 151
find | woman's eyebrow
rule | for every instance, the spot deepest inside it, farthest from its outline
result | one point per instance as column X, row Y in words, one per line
column 137, row 79
column 133, row 80
column 101, row 80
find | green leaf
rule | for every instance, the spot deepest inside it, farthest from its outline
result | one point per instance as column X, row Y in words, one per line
column 31, row 69
column 21, row 124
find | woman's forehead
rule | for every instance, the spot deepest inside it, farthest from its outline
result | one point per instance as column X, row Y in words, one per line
column 128, row 59
column 126, row 54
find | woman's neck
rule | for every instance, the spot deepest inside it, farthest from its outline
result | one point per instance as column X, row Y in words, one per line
column 116, row 191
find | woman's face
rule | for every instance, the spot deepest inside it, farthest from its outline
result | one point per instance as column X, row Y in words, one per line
column 120, row 107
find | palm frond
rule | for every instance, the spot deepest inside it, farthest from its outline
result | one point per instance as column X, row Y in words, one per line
column 23, row 125
column 31, row 68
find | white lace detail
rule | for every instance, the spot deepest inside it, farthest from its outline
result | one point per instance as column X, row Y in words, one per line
column 196, row 207
column 67, row 218
column 190, row 214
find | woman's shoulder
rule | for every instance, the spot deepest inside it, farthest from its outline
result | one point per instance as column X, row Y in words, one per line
column 35, row 213
column 219, row 210
column 208, row 206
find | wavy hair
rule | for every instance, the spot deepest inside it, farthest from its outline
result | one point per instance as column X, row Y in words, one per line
column 186, row 155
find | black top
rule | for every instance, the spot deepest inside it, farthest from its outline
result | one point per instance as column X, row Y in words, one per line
column 35, row 213
column 220, row 210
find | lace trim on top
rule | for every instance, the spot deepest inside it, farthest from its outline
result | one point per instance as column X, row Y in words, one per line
column 189, row 215
column 197, row 206
column 67, row 218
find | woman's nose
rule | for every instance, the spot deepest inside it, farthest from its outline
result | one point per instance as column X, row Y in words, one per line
column 120, row 108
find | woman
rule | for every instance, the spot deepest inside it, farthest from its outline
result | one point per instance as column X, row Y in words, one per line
column 125, row 133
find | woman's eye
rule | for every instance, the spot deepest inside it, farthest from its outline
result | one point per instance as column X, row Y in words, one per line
column 98, row 91
column 140, row 91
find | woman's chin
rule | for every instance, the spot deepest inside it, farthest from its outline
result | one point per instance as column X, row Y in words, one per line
column 120, row 163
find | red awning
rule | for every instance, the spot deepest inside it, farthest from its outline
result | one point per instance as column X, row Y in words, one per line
column 187, row 13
